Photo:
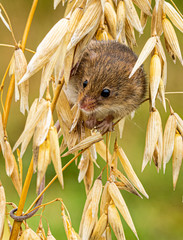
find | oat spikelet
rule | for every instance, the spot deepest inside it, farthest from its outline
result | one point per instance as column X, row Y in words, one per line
column 99, row 227
column 110, row 16
column 168, row 139
column 155, row 77
column 177, row 157
column 46, row 48
column 171, row 38
column 115, row 222
column 29, row 234
column 9, row 158
column 154, row 131
column 144, row 5
column 121, row 205
column 2, row 209
column 120, row 18
column 147, row 49
column 133, row 16
column 174, row 16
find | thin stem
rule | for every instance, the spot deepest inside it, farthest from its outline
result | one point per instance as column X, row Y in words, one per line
column 176, row 8
column 107, row 155
column 166, row 93
column 9, row 22
column 11, row 46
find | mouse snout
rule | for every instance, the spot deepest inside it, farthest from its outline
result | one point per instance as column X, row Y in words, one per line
column 87, row 103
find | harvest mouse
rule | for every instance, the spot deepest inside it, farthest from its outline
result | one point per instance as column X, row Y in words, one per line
column 101, row 84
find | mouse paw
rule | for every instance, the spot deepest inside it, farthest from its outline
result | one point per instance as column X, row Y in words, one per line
column 91, row 122
column 105, row 125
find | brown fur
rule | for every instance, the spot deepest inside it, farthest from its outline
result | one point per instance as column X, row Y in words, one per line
column 108, row 65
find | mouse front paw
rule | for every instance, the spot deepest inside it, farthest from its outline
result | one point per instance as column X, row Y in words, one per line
column 105, row 125
column 91, row 122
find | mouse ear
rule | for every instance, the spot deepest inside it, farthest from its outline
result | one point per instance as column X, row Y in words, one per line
column 74, row 69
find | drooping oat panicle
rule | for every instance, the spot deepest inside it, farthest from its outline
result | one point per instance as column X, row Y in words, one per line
column 121, row 205
column 87, row 142
column 120, row 18
column 130, row 172
column 155, row 77
column 171, row 38
column 43, row 161
column 168, row 139
column 115, row 222
column 89, row 20
column 46, row 48
column 133, row 16
column 110, row 16
column 105, row 199
column 99, row 227
column 177, row 157
column 2, row 209
column 153, row 132
column 147, row 49
column 55, row 154
column 174, row 16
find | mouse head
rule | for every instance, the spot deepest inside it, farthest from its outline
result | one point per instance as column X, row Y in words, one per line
column 104, row 78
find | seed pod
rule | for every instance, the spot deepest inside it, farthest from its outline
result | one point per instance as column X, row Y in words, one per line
column 130, row 34
column 88, row 178
column 16, row 179
column 171, row 38
column 83, row 165
column 9, row 158
column 29, row 234
column 161, row 91
column 96, row 194
column 168, row 139
column 144, row 5
column 115, row 222
column 105, row 199
column 156, row 23
column 155, row 77
column 177, row 158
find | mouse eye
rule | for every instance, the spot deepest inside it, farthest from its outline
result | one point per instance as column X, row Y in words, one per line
column 105, row 93
column 85, row 83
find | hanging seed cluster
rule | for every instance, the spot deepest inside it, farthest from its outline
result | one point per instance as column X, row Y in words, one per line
column 55, row 56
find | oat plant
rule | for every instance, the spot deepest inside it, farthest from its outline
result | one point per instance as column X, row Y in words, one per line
column 54, row 138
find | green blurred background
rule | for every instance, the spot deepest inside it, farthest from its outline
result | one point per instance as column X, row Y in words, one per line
column 160, row 217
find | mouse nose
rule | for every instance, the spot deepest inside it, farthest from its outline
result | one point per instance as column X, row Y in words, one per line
column 87, row 103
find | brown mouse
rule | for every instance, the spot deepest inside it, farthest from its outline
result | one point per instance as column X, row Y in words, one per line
column 101, row 84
